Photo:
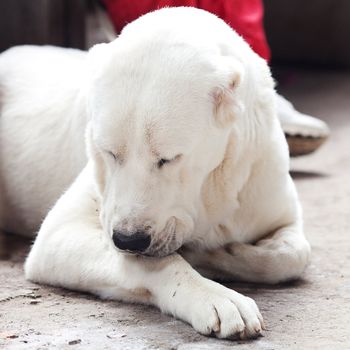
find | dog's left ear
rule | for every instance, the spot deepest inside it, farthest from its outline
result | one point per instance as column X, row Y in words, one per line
column 225, row 96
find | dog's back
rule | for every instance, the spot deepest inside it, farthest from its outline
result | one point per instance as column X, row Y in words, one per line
column 39, row 104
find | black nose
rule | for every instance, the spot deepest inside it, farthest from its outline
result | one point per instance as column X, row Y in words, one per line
column 136, row 242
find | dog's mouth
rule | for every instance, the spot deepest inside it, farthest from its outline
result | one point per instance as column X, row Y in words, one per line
column 164, row 248
column 166, row 242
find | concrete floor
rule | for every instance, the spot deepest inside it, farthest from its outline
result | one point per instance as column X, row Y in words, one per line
column 313, row 313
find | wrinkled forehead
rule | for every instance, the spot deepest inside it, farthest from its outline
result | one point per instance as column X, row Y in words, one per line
column 162, row 136
column 160, row 114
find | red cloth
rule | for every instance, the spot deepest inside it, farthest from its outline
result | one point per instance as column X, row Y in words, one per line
column 244, row 16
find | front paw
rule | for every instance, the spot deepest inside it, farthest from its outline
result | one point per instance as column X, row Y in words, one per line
column 220, row 311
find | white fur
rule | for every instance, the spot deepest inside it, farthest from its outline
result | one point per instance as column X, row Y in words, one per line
column 177, row 84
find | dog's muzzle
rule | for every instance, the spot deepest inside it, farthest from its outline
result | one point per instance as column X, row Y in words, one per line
column 146, row 242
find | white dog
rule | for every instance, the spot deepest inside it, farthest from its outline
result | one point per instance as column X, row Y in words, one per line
column 187, row 167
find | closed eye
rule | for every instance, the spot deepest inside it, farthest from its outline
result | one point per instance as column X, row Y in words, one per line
column 161, row 162
column 116, row 156
column 112, row 154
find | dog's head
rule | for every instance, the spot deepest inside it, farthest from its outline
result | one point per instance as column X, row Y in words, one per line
column 161, row 118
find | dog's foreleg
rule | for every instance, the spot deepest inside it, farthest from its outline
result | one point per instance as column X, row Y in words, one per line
column 72, row 251
column 281, row 257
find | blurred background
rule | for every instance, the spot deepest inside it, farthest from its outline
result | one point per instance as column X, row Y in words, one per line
column 313, row 32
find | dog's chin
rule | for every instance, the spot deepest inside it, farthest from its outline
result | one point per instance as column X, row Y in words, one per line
column 164, row 248
column 157, row 253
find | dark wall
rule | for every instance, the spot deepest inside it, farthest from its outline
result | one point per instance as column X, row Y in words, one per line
column 56, row 22
column 309, row 31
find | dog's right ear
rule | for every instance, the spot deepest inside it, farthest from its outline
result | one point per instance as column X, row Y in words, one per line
column 95, row 157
